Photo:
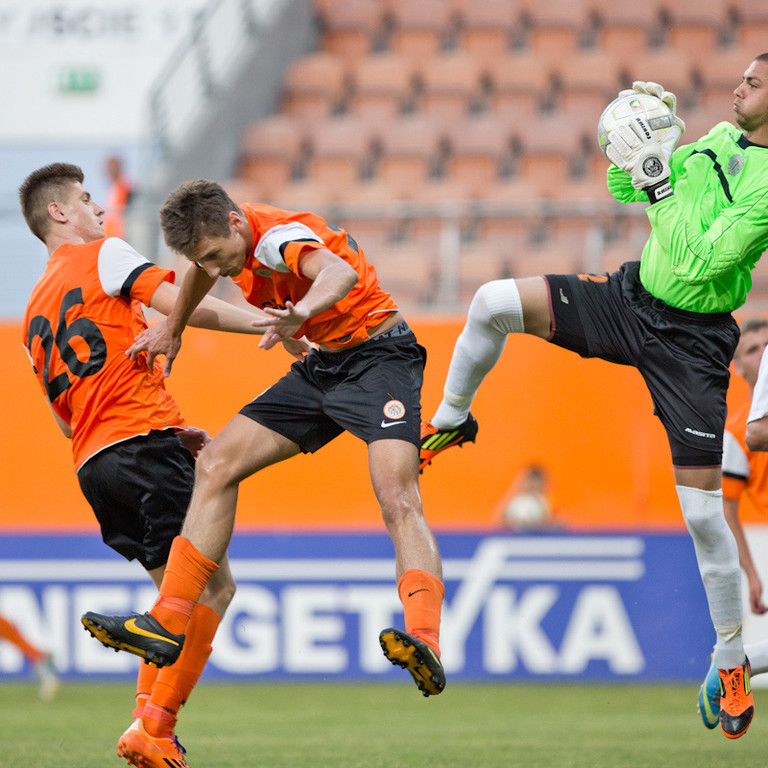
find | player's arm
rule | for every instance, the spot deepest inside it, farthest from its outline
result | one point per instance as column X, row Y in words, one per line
column 731, row 509
column 757, row 420
column 332, row 279
column 66, row 430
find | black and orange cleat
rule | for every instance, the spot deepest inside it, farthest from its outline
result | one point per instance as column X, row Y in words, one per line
column 736, row 704
column 140, row 634
column 145, row 751
column 434, row 440
column 410, row 653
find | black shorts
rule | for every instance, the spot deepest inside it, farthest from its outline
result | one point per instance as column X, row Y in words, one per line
column 372, row 390
column 140, row 490
column 682, row 356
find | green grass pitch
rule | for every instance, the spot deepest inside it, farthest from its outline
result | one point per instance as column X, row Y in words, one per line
column 385, row 726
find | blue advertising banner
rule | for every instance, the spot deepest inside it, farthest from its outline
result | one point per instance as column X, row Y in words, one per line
column 545, row 607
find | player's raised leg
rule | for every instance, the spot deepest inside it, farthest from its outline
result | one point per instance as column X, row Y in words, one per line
column 498, row 308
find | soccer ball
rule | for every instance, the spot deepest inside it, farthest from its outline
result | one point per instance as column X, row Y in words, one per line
column 623, row 109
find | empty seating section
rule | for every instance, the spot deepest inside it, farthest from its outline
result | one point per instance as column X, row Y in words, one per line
column 421, row 111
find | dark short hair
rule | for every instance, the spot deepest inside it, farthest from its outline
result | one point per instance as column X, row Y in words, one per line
column 754, row 323
column 197, row 209
column 42, row 187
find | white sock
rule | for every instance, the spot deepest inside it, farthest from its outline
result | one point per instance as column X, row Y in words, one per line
column 757, row 653
column 495, row 311
column 718, row 559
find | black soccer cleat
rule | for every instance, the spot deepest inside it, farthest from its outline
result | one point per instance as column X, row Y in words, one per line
column 140, row 634
column 434, row 441
column 410, row 653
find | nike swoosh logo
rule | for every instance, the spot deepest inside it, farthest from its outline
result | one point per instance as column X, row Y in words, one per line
column 130, row 625
column 385, row 424
column 411, row 594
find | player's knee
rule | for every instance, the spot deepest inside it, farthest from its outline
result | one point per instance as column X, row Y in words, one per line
column 497, row 306
column 213, row 468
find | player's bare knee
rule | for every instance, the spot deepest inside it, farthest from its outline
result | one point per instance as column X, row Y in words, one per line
column 214, row 469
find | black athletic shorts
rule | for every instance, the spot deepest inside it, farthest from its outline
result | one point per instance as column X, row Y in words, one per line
column 682, row 356
column 139, row 490
column 372, row 390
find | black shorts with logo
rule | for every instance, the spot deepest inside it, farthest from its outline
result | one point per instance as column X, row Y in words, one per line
column 372, row 390
column 682, row 356
column 139, row 490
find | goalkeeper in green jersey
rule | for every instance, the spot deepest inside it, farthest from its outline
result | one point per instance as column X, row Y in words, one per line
column 668, row 315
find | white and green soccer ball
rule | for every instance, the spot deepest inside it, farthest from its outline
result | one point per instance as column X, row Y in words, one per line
column 623, row 109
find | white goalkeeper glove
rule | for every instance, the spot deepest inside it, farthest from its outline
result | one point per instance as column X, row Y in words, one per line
column 633, row 148
column 654, row 89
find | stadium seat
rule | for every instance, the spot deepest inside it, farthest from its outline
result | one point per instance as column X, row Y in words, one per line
column 314, row 86
column 351, row 29
column 623, row 26
column 338, row 151
column 272, row 150
column 477, row 150
column 485, row 28
column 450, row 85
column 752, row 17
column 408, row 272
column 701, row 120
column 671, row 68
column 382, row 86
column 587, row 81
column 419, row 30
column 409, row 149
column 555, row 26
column 518, row 83
column 696, row 28
column 718, row 74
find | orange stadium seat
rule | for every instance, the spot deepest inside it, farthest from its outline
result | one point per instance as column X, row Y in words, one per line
column 485, row 28
column 519, row 82
column 700, row 120
column 408, row 272
column 671, row 68
column 588, row 80
column 695, row 27
column 418, row 30
column 382, row 86
column 409, row 149
column 555, row 26
column 271, row 152
column 478, row 147
column 752, row 18
column 314, row 86
column 719, row 74
column 339, row 149
column 351, row 28
column 626, row 25
column 450, row 84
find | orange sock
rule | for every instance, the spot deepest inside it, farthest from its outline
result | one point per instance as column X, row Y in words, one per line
column 421, row 594
column 174, row 684
column 144, row 682
column 9, row 632
column 186, row 574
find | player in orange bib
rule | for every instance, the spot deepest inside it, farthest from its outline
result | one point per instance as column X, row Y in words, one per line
column 133, row 452
column 364, row 377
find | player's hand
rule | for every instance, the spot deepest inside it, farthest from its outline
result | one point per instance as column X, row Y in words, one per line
column 193, row 439
column 297, row 347
column 156, row 340
column 654, row 89
column 281, row 325
column 756, row 603
column 633, row 148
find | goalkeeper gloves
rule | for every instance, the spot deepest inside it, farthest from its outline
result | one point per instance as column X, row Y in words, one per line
column 634, row 149
column 654, row 89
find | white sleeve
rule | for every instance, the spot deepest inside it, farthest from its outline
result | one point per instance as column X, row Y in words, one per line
column 760, row 395
column 735, row 460
column 119, row 264
column 268, row 249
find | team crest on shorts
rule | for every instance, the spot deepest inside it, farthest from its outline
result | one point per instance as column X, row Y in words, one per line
column 735, row 164
column 394, row 409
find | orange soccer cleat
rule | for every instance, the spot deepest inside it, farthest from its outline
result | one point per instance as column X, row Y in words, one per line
column 145, row 751
column 434, row 440
column 417, row 657
column 736, row 704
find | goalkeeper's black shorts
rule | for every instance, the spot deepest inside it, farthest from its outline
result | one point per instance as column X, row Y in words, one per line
column 682, row 356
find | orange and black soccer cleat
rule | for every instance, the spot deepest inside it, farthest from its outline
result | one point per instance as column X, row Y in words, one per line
column 410, row 653
column 434, row 440
column 736, row 704
column 145, row 751
column 140, row 634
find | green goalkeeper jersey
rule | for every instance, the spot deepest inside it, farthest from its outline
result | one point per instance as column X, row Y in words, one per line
column 707, row 237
